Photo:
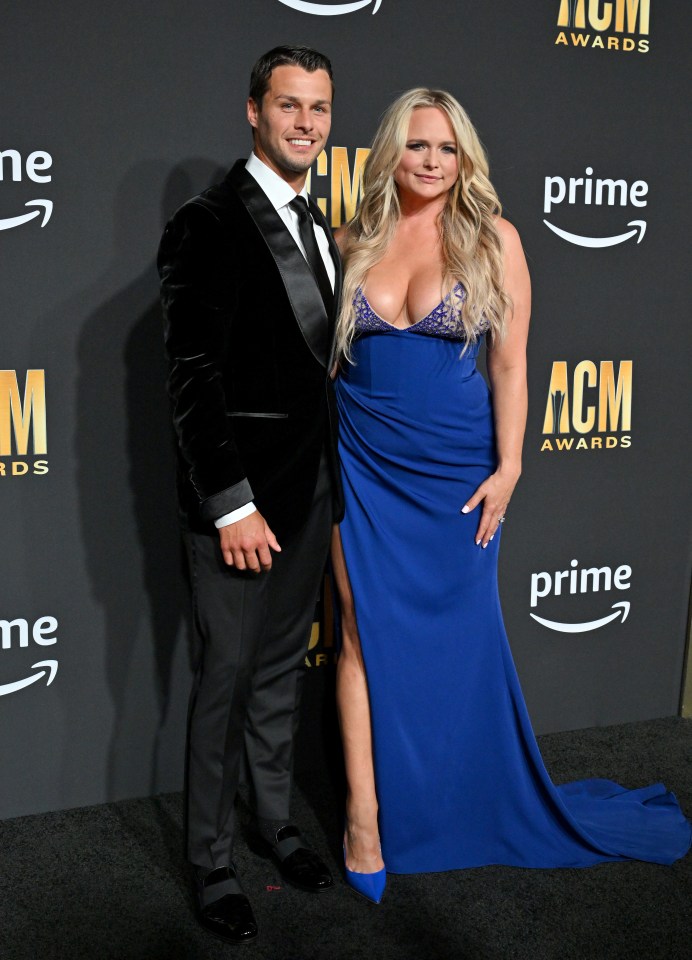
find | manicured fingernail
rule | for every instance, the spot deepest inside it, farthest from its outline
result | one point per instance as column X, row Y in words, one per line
column 478, row 543
column 465, row 509
column 485, row 544
column 491, row 538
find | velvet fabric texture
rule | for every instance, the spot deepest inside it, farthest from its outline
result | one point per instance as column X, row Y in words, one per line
column 248, row 341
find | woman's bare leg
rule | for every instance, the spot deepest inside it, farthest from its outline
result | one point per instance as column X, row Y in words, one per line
column 362, row 838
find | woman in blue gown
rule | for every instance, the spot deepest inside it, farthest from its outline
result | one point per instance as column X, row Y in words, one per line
column 443, row 770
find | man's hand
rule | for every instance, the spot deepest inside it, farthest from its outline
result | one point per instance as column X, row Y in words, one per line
column 246, row 543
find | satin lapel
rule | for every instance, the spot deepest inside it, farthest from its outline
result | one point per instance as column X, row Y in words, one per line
column 301, row 287
column 319, row 218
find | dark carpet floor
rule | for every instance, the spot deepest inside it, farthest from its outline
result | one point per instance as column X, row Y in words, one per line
column 110, row 882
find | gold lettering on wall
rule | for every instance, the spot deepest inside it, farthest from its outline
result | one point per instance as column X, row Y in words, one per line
column 17, row 417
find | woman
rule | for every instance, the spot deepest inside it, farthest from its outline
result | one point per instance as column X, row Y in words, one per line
column 441, row 762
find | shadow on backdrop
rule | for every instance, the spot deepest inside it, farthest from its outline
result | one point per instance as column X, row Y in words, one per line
column 126, row 481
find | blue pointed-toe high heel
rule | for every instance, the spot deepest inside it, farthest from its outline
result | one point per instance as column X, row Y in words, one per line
column 368, row 885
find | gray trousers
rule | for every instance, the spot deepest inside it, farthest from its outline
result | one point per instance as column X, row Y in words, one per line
column 252, row 633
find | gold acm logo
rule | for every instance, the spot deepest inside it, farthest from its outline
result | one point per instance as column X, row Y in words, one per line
column 621, row 25
column 336, row 182
column 23, row 439
column 589, row 407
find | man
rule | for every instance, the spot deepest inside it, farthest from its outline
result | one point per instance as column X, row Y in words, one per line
column 250, row 281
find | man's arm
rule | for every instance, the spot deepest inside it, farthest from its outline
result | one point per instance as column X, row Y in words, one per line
column 194, row 262
column 196, row 331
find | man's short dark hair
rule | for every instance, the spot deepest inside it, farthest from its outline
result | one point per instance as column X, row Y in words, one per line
column 296, row 56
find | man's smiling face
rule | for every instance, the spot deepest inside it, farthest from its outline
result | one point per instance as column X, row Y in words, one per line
column 292, row 123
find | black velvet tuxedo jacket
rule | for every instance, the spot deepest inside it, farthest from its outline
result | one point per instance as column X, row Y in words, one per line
column 249, row 343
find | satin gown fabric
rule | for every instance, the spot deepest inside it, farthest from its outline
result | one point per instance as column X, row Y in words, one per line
column 460, row 780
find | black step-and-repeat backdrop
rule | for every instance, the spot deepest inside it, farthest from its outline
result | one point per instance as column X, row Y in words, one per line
column 112, row 116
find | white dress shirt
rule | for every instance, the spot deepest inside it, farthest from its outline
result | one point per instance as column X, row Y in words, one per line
column 279, row 193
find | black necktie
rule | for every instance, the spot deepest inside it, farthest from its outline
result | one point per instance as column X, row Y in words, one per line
column 307, row 234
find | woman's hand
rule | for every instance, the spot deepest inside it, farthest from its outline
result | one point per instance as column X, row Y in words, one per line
column 495, row 492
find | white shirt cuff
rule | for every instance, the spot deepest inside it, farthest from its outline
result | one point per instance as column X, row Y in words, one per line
column 235, row 515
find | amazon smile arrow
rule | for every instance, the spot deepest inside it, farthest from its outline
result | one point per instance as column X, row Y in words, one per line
column 329, row 9
column 640, row 228
column 585, row 627
column 25, row 217
column 20, row 684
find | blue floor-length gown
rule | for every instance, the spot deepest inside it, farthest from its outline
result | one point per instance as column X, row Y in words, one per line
column 460, row 780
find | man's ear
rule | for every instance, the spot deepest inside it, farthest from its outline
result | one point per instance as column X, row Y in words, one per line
column 252, row 112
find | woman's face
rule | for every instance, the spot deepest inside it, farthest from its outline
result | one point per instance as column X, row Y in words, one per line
column 429, row 165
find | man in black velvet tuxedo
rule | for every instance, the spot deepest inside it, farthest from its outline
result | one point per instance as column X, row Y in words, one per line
column 250, row 283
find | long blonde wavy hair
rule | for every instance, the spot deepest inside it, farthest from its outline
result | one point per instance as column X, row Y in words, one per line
column 471, row 245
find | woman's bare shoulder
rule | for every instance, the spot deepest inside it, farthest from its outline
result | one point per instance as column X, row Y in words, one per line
column 508, row 233
column 341, row 237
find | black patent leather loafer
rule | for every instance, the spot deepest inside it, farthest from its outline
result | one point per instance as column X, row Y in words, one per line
column 299, row 865
column 224, row 910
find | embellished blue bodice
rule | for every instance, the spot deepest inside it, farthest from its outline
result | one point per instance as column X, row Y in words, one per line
column 443, row 321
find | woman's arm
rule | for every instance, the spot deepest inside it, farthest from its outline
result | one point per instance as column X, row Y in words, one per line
column 339, row 235
column 507, row 372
